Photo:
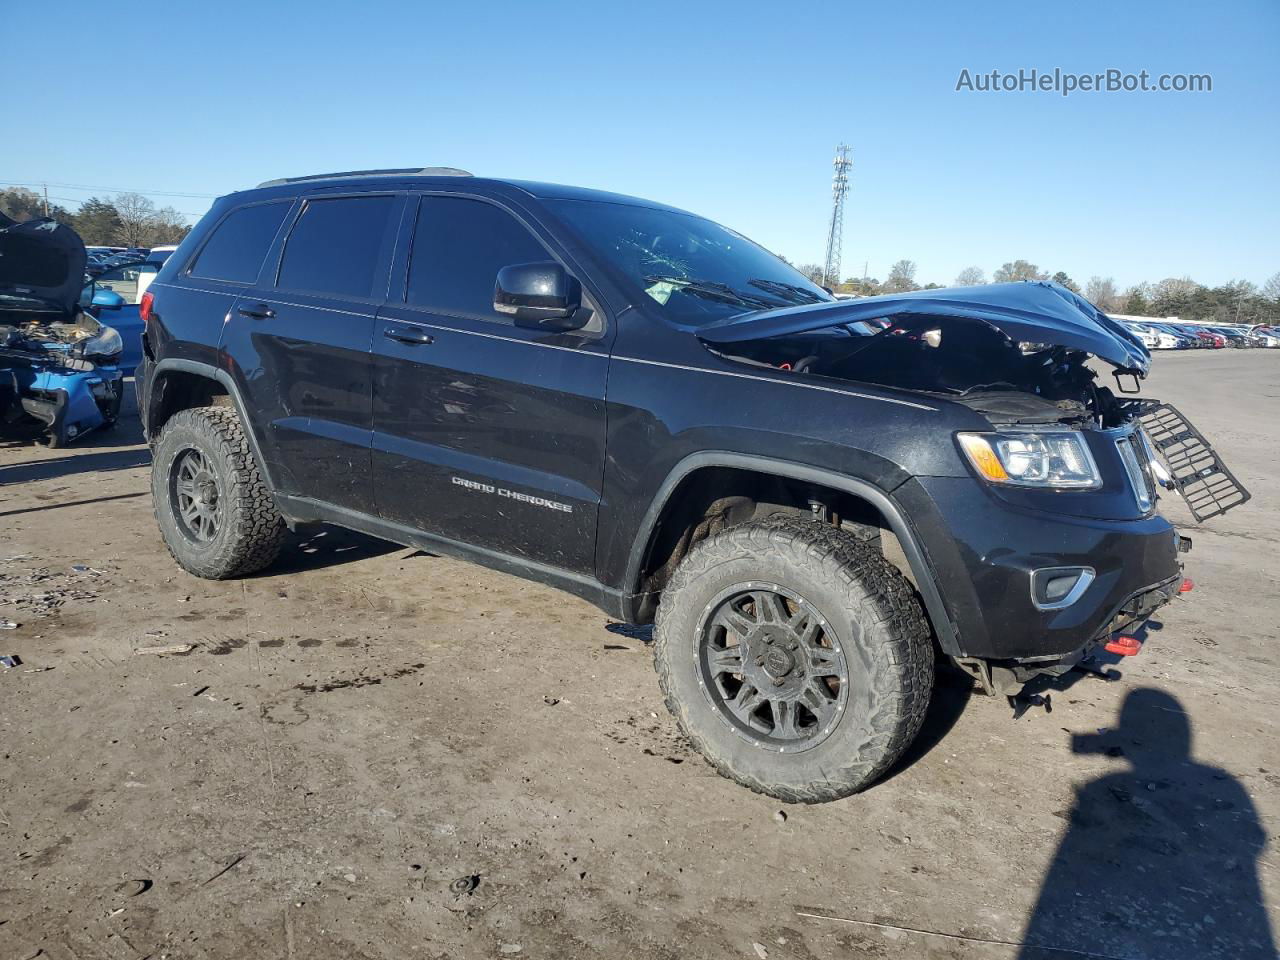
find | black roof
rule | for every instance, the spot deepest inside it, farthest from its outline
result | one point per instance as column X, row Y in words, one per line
column 422, row 176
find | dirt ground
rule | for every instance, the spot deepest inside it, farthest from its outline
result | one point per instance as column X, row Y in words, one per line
column 372, row 752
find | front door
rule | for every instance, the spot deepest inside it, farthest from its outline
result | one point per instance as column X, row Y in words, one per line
column 299, row 341
column 484, row 432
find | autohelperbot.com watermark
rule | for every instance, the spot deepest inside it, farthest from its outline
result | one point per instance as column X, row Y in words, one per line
column 1065, row 83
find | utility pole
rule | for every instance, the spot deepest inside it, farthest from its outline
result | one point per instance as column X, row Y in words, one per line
column 46, row 199
column 839, row 188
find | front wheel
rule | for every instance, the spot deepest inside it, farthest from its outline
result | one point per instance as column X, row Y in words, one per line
column 214, row 510
column 795, row 658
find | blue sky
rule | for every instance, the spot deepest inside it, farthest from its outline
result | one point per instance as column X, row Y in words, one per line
column 732, row 110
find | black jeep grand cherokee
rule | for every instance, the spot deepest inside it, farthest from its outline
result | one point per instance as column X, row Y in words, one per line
column 644, row 408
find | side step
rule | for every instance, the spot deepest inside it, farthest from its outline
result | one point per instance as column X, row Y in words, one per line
column 1198, row 473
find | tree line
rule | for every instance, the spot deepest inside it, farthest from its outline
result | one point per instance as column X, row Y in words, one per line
column 1237, row 301
column 125, row 220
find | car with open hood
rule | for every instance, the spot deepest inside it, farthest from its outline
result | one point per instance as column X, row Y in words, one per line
column 59, row 365
column 812, row 499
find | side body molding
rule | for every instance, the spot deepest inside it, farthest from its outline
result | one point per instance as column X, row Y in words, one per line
column 901, row 526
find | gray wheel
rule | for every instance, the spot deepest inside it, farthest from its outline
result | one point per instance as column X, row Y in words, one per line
column 795, row 658
column 214, row 510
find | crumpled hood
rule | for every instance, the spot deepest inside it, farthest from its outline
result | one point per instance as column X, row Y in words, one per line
column 41, row 266
column 1027, row 311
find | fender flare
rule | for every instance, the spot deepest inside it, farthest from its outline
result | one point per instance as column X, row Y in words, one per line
column 917, row 558
column 210, row 372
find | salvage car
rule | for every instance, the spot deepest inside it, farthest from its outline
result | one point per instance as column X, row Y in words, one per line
column 812, row 498
column 59, row 372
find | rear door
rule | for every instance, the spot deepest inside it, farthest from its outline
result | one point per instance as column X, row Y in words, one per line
column 298, row 344
column 485, row 432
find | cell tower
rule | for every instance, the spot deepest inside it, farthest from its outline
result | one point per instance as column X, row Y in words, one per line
column 839, row 188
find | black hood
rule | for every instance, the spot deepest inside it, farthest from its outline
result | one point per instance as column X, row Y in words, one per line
column 41, row 267
column 1039, row 312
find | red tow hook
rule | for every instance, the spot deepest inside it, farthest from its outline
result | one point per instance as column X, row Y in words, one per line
column 1186, row 586
column 1124, row 645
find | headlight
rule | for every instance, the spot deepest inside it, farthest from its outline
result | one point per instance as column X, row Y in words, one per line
column 1058, row 461
column 105, row 344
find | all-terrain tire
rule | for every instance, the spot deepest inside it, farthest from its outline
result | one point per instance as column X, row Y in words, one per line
column 876, row 617
column 252, row 530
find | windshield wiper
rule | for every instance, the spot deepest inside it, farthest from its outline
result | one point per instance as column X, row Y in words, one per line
column 790, row 291
column 720, row 292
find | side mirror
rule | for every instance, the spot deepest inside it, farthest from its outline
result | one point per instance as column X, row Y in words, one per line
column 539, row 295
column 108, row 300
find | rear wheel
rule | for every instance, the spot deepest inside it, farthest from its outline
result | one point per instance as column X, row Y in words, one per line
column 214, row 510
column 796, row 658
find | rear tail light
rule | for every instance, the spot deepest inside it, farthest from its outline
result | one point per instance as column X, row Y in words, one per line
column 144, row 307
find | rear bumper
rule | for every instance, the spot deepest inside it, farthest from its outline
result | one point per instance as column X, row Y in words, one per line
column 984, row 552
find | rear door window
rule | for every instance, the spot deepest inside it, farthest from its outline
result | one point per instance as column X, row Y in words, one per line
column 336, row 245
column 239, row 243
column 459, row 245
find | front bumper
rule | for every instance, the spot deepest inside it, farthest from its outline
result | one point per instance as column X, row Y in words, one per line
column 983, row 552
column 66, row 403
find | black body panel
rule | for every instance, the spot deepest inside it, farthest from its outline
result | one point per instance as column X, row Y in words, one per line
column 552, row 455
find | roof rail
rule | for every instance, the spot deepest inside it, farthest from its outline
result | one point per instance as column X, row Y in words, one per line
column 393, row 172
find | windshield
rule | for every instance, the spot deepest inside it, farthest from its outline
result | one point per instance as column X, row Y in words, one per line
column 695, row 270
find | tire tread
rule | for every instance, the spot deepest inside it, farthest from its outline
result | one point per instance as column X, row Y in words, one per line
column 902, row 644
column 259, row 530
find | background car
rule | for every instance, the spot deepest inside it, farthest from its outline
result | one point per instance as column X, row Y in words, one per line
column 130, row 281
column 1182, row 339
column 160, row 254
column 1150, row 338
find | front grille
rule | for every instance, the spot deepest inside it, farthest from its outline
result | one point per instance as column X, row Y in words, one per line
column 1133, row 454
column 1195, row 468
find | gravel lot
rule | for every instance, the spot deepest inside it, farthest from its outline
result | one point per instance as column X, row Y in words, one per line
column 372, row 752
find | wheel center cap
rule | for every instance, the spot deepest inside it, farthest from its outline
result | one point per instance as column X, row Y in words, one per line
column 778, row 663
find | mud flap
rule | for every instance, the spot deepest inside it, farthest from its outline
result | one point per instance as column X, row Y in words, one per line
column 1196, row 470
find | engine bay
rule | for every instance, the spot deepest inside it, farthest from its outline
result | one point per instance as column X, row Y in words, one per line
column 960, row 359
column 61, row 341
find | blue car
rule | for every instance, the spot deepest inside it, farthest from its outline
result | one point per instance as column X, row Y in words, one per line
column 129, row 282
column 59, row 364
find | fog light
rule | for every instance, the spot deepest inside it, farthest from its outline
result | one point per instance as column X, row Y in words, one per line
column 1053, row 588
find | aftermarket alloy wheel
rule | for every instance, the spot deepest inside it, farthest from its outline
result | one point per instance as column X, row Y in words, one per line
column 195, row 495
column 795, row 658
column 214, row 510
column 772, row 666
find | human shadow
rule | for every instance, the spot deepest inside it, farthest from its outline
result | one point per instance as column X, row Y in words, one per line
column 1159, row 858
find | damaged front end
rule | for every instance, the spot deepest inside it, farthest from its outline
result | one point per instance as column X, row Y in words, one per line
column 1057, row 549
column 59, row 373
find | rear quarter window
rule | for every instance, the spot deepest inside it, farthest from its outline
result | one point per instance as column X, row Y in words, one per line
column 239, row 244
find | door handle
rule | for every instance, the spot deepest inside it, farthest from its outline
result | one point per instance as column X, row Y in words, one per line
column 258, row 311
column 409, row 335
